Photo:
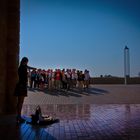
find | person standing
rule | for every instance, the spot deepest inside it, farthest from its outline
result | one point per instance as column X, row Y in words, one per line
column 86, row 79
column 21, row 87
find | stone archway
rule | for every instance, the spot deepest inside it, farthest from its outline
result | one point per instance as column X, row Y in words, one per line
column 9, row 53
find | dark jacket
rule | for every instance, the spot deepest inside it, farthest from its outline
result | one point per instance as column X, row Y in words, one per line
column 21, row 86
column 22, row 74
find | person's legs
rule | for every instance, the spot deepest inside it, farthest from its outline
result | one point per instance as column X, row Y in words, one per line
column 19, row 107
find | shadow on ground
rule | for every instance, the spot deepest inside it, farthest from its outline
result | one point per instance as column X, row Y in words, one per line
column 72, row 92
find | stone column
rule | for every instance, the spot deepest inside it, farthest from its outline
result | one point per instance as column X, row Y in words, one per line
column 3, row 50
column 13, row 38
column 9, row 53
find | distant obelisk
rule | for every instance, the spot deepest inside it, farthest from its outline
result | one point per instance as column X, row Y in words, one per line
column 126, row 64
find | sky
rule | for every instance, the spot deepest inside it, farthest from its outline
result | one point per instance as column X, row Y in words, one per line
column 81, row 34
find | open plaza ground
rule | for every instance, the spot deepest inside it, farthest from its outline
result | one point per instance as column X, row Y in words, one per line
column 103, row 112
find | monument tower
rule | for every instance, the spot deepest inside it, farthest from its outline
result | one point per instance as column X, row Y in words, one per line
column 126, row 64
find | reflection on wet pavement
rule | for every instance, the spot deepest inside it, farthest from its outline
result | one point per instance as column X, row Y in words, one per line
column 90, row 121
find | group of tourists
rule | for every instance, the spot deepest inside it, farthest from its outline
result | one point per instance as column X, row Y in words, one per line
column 37, row 78
column 58, row 79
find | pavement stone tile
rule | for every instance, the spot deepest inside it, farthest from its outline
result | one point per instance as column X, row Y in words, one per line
column 109, row 112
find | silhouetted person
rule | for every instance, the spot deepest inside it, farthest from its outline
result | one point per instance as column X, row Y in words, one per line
column 38, row 118
column 21, row 87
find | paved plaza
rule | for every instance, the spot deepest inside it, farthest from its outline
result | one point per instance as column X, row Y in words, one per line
column 97, row 94
column 104, row 112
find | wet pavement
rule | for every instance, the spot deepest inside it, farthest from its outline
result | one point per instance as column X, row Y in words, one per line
column 88, row 122
column 104, row 112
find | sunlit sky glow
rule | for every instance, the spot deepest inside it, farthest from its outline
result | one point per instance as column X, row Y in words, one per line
column 81, row 34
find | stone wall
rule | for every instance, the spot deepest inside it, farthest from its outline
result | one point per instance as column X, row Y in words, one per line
column 114, row 80
column 9, row 53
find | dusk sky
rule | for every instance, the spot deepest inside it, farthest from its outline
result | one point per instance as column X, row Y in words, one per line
column 81, row 34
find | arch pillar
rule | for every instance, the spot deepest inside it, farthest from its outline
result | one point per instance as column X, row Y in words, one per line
column 9, row 53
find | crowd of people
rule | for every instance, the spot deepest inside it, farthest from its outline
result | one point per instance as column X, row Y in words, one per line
column 58, row 79
column 52, row 79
